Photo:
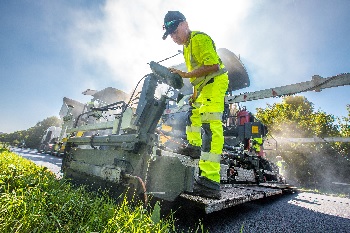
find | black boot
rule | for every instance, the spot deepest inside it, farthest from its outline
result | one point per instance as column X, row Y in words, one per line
column 206, row 188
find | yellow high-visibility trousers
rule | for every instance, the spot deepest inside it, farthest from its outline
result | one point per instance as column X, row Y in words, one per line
column 206, row 115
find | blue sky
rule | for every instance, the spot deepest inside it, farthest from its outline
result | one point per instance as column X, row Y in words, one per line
column 55, row 49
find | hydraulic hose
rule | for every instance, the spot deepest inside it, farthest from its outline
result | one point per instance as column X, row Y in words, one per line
column 142, row 184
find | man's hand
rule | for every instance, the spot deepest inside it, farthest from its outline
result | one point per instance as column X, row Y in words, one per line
column 193, row 98
column 180, row 72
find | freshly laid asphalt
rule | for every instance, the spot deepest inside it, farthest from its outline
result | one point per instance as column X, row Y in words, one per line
column 298, row 212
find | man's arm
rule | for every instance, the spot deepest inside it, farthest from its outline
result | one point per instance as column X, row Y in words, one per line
column 201, row 71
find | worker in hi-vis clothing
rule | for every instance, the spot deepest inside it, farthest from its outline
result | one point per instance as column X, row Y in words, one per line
column 210, row 80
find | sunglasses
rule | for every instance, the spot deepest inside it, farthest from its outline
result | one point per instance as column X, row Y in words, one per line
column 167, row 25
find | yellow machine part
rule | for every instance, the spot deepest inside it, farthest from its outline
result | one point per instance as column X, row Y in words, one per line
column 80, row 133
column 163, row 139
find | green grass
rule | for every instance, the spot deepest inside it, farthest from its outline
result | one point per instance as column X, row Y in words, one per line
column 33, row 200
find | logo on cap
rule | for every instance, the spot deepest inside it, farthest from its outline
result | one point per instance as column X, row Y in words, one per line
column 171, row 21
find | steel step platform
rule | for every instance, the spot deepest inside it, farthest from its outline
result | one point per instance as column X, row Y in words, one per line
column 232, row 195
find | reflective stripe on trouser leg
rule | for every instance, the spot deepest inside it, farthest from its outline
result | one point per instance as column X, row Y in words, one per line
column 209, row 165
column 193, row 130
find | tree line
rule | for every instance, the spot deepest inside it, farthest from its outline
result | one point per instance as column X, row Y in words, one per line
column 313, row 165
column 32, row 136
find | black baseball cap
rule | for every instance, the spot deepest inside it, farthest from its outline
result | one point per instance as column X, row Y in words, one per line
column 172, row 19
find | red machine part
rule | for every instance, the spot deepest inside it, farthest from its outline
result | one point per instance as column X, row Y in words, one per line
column 243, row 116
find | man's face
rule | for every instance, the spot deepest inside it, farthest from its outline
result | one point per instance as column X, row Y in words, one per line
column 179, row 36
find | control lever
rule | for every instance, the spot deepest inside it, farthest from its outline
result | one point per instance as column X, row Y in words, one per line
column 165, row 76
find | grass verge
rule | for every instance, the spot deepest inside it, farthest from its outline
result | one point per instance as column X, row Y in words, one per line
column 33, row 200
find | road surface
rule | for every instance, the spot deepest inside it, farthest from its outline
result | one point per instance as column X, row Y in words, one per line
column 51, row 162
